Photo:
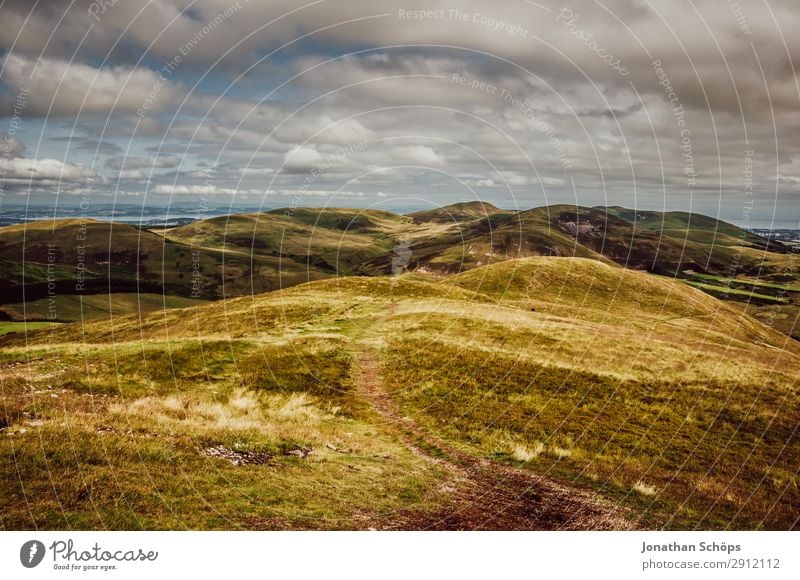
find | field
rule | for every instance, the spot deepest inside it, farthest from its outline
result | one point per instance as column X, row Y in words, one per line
column 23, row 327
column 775, row 304
column 536, row 393
column 72, row 307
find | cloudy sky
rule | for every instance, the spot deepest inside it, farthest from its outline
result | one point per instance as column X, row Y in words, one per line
column 677, row 104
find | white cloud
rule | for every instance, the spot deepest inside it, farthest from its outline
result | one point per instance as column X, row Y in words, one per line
column 486, row 182
column 46, row 172
column 302, row 159
column 417, row 155
column 257, row 171
column 70, row 88
column 343, row 132
column 201, row 190
column 185, row 189
column 136, row 174
column 617, row 140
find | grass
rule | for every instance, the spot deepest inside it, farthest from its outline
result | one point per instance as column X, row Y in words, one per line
column 458, row 212
column 664, row 243
column 246, row 254
column 119, row 258
column 781, row 317
column 736, row 282
column 23, row 327
column 660, row 397
column 691, row 441
column 70, row 308
column 734, row 293
column 772, row 303
column 133, row 456
column 322, row 242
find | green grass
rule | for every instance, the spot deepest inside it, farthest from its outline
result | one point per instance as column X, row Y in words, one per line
column 69, row 308
column 687, row 441
column 123, row 259
column 344, row 219
column 680, row 224
column 742, row 282
column 244, row 254
column 663, row 243
column 319, row 368
column 98, row 453
column 726, row 291
column 647, row 390
column 458, row 212
column 23, row 327
column 322, row 242
column 32, row 272
column 781, row 317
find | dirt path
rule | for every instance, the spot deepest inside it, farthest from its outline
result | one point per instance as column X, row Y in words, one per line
column 483, row 495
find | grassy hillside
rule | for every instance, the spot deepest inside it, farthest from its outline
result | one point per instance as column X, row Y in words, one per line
column 246, row 254
column 541, row 393
column 716, row 257
column 662, row 243
column 693, row 226
column 774, row 303
column 323, row 242
column 70, row 308
column 458, row 212
column 482, row 241
column 23, row 327
column 91, row 257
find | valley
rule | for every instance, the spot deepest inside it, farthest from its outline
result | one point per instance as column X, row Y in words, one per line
column 507, row 372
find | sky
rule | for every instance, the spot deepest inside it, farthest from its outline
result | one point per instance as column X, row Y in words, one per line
column 689, row 105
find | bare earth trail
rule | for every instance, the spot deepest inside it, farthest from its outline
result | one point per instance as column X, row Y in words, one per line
column 483, row 495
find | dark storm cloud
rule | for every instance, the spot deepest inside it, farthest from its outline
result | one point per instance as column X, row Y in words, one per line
column 133, row 162
column 78, row 143
column 631, row 100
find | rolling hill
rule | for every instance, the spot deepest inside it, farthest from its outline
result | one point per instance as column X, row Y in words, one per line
column 667, row 244
column 458, row 212
column 104, row 258
column 538, row 393
column 63, row 260
column 247, row 254
column 326, row 242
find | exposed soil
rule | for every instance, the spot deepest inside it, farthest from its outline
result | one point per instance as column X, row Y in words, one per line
column 482, row 494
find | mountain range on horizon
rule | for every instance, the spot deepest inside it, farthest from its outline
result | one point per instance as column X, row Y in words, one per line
column 201, row 209
column 244, row 254
column 321, row 242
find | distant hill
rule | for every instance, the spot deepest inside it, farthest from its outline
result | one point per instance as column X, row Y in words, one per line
column 661, row 243
column 244, row 254
column 73, row 257
column 458, row 212
column 322, row 242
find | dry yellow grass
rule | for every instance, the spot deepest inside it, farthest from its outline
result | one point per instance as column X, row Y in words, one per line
column 629, row 383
